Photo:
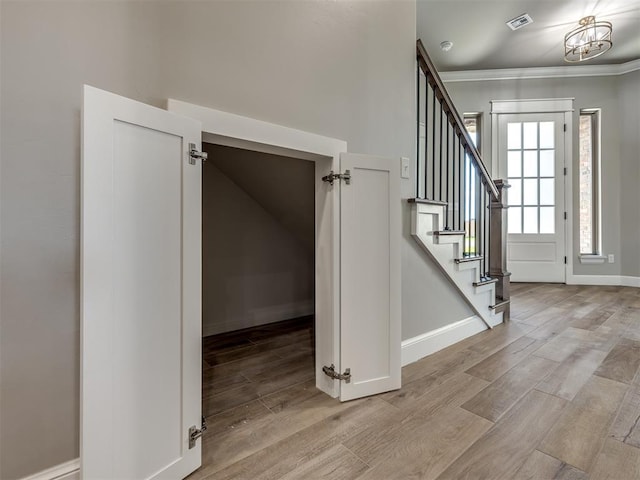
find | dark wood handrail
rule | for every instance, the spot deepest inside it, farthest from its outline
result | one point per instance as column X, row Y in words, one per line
column 454, row 117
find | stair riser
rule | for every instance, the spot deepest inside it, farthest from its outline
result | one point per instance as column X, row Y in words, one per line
column 469, row 265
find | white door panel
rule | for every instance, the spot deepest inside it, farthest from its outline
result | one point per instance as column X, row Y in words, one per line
column 531, row 153
column 141, row 340
column 533, row 252
column 146, row 241
column 370, row 275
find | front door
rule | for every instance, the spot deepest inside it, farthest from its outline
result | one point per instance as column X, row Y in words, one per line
column 140, row 300
column 531, row 154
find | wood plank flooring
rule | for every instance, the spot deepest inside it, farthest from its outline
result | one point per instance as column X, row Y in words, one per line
column 552, row 394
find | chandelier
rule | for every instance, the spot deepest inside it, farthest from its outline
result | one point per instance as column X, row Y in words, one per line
column 591, row 39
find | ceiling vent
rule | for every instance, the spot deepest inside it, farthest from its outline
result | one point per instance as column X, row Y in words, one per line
column 520, row 21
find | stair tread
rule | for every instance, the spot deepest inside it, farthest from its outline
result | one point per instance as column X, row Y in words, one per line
column 485, row 281
column 472, row 258
column 426, row 201
column 499, row 305
column 449, row 232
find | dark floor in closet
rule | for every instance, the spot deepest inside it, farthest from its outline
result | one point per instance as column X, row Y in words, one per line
column 245, row 365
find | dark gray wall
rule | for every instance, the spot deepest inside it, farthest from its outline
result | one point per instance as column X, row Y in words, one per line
column 257, row 239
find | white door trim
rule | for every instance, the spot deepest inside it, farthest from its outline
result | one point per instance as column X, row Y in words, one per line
column 543, row 105
column 228, row 129
column 550, row 105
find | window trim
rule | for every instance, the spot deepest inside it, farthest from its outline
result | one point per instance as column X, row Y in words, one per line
column 477, row 116
column 469, row 188
column 595, row 256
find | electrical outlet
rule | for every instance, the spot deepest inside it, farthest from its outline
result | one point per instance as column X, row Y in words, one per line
column 611, row 258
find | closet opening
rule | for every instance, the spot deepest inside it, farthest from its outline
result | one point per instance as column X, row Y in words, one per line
column 258, row 285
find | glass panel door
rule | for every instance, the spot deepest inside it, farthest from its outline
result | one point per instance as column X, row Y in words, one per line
column 531, row 157
column 531, row 174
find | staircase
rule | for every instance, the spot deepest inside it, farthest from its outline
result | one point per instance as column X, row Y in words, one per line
column 459, row 213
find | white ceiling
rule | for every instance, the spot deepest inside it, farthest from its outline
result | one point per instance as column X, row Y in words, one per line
column 482, row 40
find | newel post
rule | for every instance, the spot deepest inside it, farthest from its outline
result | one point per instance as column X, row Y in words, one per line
column 498, row 249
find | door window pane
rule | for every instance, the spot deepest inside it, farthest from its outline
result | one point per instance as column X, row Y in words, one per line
column 530, row 191
column 514, row 194
column 530, row 135
column 547, row 220
column 546, row 135
column 547, row 186
column 514, row 167
column 514, row 220
column 530, row 219
column 531, row 172
column 547, row 163
column 530, row 163
column 513, row 136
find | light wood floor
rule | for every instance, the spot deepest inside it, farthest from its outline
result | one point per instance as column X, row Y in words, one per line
column 553, row 394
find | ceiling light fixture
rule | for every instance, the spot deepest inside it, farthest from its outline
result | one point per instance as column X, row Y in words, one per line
column 590, row 40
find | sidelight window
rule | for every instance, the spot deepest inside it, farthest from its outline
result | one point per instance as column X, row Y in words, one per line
column 589, row 178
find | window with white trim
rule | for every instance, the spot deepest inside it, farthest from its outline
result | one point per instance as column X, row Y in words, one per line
column 589, row 180
column 472, row 124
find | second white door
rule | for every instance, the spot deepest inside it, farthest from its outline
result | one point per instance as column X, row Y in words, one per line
column 370, row 275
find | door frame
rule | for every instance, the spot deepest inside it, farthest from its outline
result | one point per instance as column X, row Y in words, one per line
column 549, row 105
column 227, row 129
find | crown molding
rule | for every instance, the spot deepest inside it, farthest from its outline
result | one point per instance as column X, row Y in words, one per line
column 541, row 72
column 629, row 67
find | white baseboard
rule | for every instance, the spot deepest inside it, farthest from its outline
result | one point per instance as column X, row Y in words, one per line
column 614, row 280
column 413, row 349
column 630, row 281
column 65, row 471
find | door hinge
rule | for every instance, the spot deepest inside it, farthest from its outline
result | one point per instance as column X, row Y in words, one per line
column 346, row 176
column 565, row 260
column 195, row 433
column 565, row 215
column 565, row 127
column 565, row 170
column 194, row 154
column 331, row 372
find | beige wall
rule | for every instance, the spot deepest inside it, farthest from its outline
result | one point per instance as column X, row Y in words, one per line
column 255, row 268
column 341, row 69
column 49, row 50
column 619, row 150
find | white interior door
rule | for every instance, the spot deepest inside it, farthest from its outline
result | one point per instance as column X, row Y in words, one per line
column 370, row 233
column 531, row 152
column 141, row 294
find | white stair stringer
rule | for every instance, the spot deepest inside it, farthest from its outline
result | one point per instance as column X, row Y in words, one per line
column 445, row 249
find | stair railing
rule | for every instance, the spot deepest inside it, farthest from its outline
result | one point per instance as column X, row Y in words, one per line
column 450, row 171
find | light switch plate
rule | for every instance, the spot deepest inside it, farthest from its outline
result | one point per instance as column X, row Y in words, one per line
column 404, row 167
